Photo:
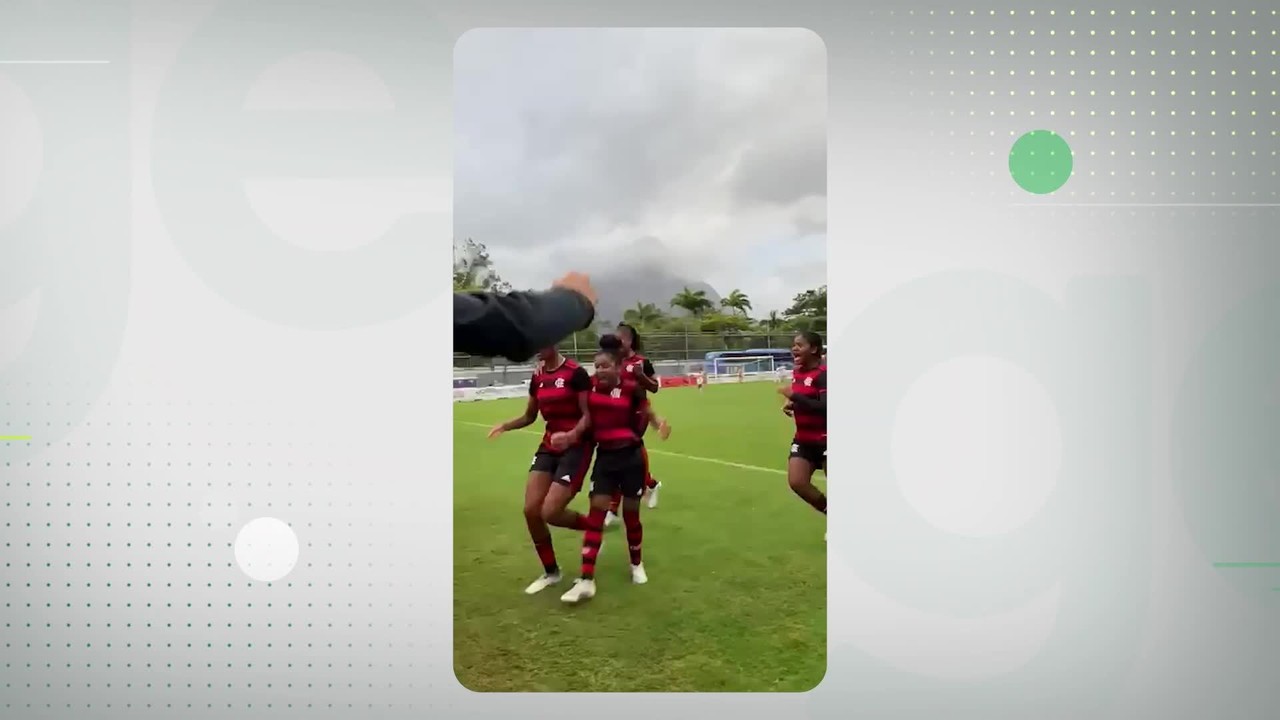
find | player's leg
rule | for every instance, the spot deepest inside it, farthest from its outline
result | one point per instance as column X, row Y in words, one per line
column 800, row 469
column 567, row 481
column 651, row 485
column 535, row 493
column 611, row 517
column 633, row 488
column 603, row 482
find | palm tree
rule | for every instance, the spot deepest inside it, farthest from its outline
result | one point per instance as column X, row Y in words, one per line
column 773, row 322
column 473, row 269
column 643, row 315
column 737, row 301
column 693, row 301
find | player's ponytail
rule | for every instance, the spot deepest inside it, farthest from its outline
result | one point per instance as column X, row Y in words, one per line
column 611, row 344
column 814, row 340
column 636, row 345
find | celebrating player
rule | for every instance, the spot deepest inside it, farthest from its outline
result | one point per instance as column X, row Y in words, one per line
column 613, row 406
column 637, row 370
column 807, row 404
column 558, row 390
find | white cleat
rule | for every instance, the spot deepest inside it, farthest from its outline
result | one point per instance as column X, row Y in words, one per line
column 582, row 589
column 541, row 584
column 637, row 574
column 653, row 495
column 610, row 520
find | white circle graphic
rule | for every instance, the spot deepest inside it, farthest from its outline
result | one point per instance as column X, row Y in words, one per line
column 266, row 549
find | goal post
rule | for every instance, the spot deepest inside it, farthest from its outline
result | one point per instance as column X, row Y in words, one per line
column 750, row 367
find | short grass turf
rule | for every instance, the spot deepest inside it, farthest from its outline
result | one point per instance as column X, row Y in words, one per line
column 736, row 598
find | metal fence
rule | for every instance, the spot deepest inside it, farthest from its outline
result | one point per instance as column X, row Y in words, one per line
column 673, row 353
column 501, row 375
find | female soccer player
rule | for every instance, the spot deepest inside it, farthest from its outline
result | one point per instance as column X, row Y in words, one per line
column 619, row 465
column 807, row 404
column 558, row 390
column 637, row 370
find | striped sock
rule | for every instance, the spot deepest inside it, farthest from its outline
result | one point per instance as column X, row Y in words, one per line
column 591, row 543
column 547, row 554
column 635, row 533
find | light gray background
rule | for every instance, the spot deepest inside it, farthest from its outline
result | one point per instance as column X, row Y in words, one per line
column 262, row 334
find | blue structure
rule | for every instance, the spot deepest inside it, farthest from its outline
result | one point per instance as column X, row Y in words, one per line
column 724, row 358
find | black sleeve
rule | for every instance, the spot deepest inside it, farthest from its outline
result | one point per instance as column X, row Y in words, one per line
column 533, row 386
column 818, row 404
column 637, row 399
column 580, row 381
column 648, row 368
column 519, row 324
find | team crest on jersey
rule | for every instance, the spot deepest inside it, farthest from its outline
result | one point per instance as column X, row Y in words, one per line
column 808, row 382
column 559, row 383
column 616, row 393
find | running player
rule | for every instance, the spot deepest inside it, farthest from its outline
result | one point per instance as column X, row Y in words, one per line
column 558, row 390
column 613, row 406
column 807, row 404
column 637, row 370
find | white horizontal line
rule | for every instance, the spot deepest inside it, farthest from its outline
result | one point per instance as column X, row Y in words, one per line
column 1123, row 205
column 713, row 461
column 55, row 62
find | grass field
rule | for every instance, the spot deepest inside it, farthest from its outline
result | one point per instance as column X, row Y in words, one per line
column 736, row 599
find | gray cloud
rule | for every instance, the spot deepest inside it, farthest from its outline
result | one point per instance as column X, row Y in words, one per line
column 573, row 146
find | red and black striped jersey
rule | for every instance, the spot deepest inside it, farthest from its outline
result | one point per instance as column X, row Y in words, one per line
column 557, row 392
column 631, row 367
column 613, row 412
column 811, row 425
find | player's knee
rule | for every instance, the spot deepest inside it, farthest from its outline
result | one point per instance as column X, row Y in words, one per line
column 532, row 510
column 550, row 511
column 797, row 480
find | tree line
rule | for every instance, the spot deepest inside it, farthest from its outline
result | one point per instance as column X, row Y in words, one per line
column 690, row 325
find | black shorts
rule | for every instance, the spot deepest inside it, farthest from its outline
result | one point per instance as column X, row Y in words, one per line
column 813, row 453
column 618, row 470
column 566, row 468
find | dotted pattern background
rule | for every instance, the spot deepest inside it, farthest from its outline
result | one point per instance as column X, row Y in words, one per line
column 1159, row 105
column 121, row 598
column 120, row 582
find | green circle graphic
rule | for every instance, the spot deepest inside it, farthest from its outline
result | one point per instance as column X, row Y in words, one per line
column 1040, row 162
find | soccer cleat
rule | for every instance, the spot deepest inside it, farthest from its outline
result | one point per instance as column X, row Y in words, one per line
column 653, row 495
column 637, row 574
column 610, row 520
column 541, row 584
column 582, row 589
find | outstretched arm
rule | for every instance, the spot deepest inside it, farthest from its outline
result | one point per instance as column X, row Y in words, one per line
column 655, row 422
column 523, row 421
column 518, row 324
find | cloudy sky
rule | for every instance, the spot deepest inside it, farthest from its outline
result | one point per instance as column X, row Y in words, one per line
column 704, row 150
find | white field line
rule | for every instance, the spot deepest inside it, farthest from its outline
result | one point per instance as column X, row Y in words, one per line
column 653, row 451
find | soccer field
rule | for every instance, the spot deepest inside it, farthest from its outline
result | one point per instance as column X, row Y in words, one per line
column 737, row 591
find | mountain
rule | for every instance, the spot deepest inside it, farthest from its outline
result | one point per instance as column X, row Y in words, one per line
column 655, row 284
